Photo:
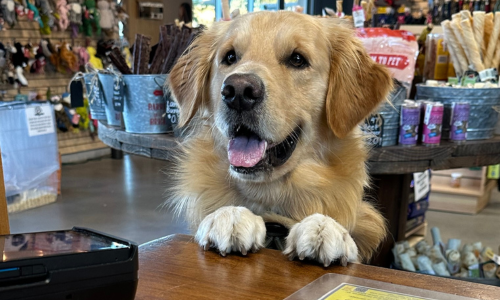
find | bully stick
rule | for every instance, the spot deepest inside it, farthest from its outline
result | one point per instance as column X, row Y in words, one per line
column 119, row 61
column 141, row 54
column 470, row 44
column 493, row 42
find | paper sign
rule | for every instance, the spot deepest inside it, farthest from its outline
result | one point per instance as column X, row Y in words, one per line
column 359, row 17
column 39, row 120
column 422, row 184
column 357, row 292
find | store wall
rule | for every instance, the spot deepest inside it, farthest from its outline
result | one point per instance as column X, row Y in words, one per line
column 147, row 27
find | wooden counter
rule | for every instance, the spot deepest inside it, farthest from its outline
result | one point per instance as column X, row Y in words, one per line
column 176, row 268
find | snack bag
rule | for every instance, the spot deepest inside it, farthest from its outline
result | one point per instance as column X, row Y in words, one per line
column 396, row 49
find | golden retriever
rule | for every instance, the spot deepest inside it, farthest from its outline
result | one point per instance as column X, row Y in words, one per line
column 274, row 100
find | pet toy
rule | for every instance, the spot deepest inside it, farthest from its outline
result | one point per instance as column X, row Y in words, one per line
column 9, row 12
column 75, row 16
column 93, row 60
column 36, row 13
column 39, row 64
column 62, row 11
column 20, row 61
column 46, row 12
column 91, row 18
column 68, row 59
column 83, row 56
column 107, row 17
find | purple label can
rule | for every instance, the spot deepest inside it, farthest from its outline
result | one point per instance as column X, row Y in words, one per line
column 408, row 124
column 459, row 121
column 433, row 120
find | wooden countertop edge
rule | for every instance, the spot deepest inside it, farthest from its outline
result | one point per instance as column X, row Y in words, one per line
column 438, row 284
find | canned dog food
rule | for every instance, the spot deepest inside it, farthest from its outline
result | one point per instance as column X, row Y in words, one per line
column 459, row 121
column 408, row 125
column 433, row 120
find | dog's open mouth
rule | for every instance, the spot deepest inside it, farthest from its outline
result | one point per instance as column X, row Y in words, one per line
column 248, row 153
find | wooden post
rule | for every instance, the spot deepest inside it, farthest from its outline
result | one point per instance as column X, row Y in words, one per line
column 4, row 216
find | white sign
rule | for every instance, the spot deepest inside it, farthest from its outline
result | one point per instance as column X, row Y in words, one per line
column 359, row 18
column 39, row 120
column 421, row 184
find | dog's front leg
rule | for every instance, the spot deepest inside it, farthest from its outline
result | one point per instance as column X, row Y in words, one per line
column 321, row 238
column 232, row 228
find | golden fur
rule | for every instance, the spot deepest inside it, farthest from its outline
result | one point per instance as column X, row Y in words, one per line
column 326, row 173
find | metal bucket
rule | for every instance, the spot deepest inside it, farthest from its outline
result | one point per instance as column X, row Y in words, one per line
column 390, row 114
column 483, row 117
column 172, row 112
column 95, row 97
column 113, row 117
column 144, row 104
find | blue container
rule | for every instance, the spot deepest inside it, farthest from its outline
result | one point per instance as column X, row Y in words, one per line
column 114, row 118
column 145, row 104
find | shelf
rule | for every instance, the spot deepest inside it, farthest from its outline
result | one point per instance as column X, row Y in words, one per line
column 417, row 229
column 458, row 191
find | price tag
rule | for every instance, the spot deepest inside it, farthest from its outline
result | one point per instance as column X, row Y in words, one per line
column 118, row 94
column 422, row 184
column 358, row 15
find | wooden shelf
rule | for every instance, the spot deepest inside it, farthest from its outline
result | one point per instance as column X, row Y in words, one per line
column 416, row 229
column 459, row 191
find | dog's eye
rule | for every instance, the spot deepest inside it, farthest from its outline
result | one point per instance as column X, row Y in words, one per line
column 298, row 61
column 229, row 58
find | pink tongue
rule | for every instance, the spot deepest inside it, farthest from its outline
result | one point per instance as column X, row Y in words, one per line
column 246, row 151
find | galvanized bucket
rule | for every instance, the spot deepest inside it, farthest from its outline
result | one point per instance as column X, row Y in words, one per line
column 144, row 104
column 114, row 118
column 95, row 97
column 390, row 114
column 172, row 112
column 483, row 117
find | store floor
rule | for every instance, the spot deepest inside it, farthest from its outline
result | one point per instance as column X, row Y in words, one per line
column 125, row 197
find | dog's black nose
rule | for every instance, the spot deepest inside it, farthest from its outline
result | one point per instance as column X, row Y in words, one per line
column 242, row 91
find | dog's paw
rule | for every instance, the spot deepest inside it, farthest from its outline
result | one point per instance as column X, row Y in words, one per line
column 323, row 239
column 232, row 228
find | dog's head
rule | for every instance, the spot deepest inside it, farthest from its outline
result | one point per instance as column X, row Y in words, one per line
column 274, row 84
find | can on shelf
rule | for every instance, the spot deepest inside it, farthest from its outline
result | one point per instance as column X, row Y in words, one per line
column 422, row 104
column 409, row 123
column 433, row 121
column 459, row 121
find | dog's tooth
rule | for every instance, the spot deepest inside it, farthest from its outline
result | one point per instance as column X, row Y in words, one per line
column 343, row 261
column 223, row 253
column 244, row 251
column 326, row 264
column 302, row 256
column 205, row 247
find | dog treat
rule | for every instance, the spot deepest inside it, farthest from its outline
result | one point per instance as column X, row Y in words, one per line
column 141, row 54
column 458, row 121
column 488, row 29
column 493, row 42
column 496, row 59
column 457, row 30
column 479, row 28
column 457, row 53
column 433, row 119
column 465, row 15
column 409, row 121
column 470, row 44
column 160, row 52
column 118, row 60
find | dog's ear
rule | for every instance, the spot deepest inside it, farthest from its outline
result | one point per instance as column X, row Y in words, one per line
column 189, row 80
column 356, row 84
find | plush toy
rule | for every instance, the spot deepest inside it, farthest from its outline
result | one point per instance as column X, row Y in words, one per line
column 83, row 112
column 62, row 11
column 75, row 16
column 36, row 13
column 10, row 69
column 9, row 12
column 90, row 18
column 20, row 61
column 93, row 60
column 46, row 11
column 83, row 56
column 39, row 64
column 68, row 59
column 107, row 17
column 3, row 64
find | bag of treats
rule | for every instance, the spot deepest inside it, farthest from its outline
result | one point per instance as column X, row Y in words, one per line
column 396, row 49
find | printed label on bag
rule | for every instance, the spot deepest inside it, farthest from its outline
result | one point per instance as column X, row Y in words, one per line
column 347, row 291
column 118, row 94
column 39, row 120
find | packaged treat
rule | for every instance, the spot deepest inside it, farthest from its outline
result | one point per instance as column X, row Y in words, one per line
column 433, row 119
column 396, row 49
column 409, row 121
column 458, row 121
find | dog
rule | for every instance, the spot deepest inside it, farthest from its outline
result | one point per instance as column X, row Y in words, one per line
column 273, row 101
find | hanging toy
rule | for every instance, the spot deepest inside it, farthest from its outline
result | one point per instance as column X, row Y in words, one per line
column 68, row 59
column 39, row 64
column 3, row 64
column 94, row 61
column 46, row 12
column 107, row 18
column 83, row 56
column 62, row 11
column 90, row 18
column 36, row 13
column 20, row 61
column 75, row 16
column 9, row 12
column 10, row 50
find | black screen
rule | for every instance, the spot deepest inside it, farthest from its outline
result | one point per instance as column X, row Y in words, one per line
column 32, row 245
